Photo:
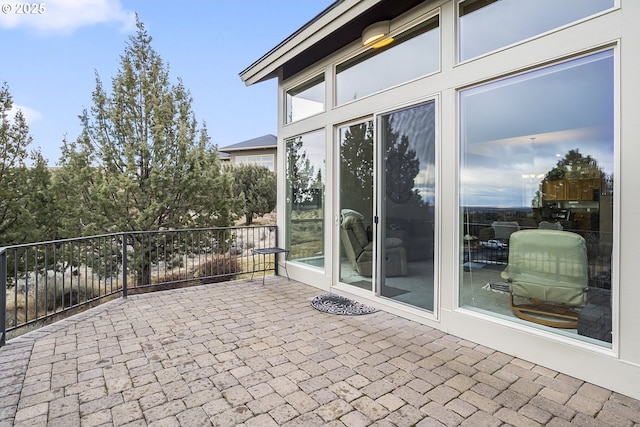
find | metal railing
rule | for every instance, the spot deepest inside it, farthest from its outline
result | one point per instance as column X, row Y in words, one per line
column 489, row 250
column 42, row 282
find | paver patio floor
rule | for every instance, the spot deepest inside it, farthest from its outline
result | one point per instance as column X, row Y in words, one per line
column 240, row 353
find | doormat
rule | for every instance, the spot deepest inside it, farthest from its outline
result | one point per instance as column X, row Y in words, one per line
column 387, row 291
column 336, row 304
column 362, row 284
column 390, row 291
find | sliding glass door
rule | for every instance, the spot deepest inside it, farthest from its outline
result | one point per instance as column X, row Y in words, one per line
column 387, row 201
column 357, row 263
column 407, row 201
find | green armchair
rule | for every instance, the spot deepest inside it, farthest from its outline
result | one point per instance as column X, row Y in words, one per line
column 548, row 269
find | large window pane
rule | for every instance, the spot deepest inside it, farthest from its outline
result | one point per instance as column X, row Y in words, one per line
column 305, row 198
column 517, row 20
column 357, row 236
column 379, row 69
column 305, row 100
column 408, row 137
column 537, row 154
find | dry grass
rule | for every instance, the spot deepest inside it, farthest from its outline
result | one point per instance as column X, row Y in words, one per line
column 307, row 233
column 54, row 301
column 257, row 263
column 268, row 219
column 27, row 313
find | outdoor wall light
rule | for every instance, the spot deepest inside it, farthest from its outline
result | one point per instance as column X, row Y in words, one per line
column 375, row 35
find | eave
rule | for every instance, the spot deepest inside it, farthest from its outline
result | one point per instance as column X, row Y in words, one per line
column 334, row 28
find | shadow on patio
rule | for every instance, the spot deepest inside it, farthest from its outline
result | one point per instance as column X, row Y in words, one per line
column 240, row 353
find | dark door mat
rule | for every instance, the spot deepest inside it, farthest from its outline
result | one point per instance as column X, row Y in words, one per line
column 390, row 291
column 363, row 284
column 336, row 304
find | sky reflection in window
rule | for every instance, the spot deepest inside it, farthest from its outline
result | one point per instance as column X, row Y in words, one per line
column 524, row 124
column 489, row 25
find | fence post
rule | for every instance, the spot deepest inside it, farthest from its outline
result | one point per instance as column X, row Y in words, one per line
column 3, row 297
column 125, row 240
column 275, row 256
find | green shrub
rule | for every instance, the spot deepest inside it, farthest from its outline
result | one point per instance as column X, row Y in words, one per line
column 222, row 268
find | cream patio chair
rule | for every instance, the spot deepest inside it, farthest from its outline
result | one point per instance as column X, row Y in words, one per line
column 548, row 269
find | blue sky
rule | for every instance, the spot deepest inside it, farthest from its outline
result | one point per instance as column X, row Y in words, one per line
column 49, row 60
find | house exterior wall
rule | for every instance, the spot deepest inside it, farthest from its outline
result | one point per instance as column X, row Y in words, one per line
column 234, row 155
column 616, row 367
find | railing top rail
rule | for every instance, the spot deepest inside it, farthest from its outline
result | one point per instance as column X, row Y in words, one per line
column 121, row 233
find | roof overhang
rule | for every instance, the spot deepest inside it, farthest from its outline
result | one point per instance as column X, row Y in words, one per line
column 334, row 28
column 260, row 143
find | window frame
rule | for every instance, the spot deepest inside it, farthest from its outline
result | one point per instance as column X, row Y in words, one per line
column 307, row 80
column 395, row 32
column 556, row 334
column 288, row 204
column 458, row 43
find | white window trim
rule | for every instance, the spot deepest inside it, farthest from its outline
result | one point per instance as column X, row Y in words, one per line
column 295, row 84
column 397, row 27
column 458, row 62
column 614, row 349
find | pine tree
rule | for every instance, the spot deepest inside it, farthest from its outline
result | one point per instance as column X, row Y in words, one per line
column 356, row 168
column 401, row 165
column 574, row 165
column 39, row 225
column 141, row 162
column 257, row 186
column 299, row 173
column 24, row 194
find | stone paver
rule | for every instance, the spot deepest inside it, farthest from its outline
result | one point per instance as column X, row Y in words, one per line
column 243, row 353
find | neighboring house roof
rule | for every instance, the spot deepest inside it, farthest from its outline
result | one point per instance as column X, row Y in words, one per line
column 265, row 141
column 335, row 27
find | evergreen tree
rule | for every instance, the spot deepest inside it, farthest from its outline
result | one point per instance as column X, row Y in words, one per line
column 401, row 165
column 257, row 186
column 299, row 174
column 40, row 224
column 141, row 162
column 356, row 168
column 24, row 193
column 401, row 168
column 574, row 165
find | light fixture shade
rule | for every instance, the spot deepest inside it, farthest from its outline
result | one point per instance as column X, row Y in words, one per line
column 375, row 32
column 383, row 42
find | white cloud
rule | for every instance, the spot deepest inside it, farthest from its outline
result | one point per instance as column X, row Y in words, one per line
column 30, row 115
column 65, row 16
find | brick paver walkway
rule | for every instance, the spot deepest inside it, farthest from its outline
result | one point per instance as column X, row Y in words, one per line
column 240, row 353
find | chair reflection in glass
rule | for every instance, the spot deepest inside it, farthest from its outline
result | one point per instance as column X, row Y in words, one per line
column 548, row 276
column 359, row 248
